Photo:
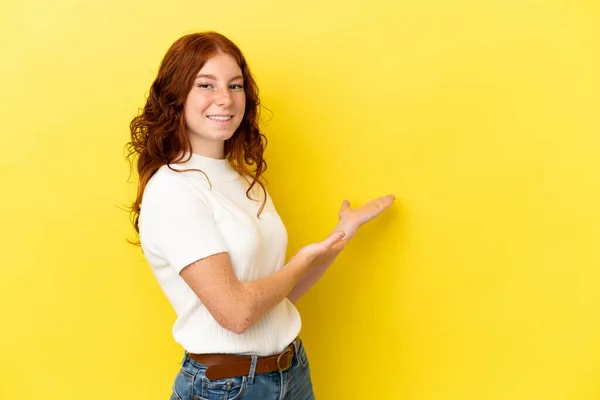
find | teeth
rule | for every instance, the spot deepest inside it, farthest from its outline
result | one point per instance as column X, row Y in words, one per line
column 219, row 118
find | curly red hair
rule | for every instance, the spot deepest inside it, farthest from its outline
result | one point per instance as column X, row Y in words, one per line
column 158, row 133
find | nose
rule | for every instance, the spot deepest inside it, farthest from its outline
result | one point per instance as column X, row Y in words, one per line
column 223, row 97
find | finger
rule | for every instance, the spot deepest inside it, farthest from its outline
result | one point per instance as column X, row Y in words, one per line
column 339, row 246
column 387, row 199
column 332, row 239
column 345, row 206
column 316, row 249
column 384, row 202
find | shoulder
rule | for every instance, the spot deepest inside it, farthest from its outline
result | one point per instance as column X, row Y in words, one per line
column 170, row 197
column 169, row 192
column 170, row 182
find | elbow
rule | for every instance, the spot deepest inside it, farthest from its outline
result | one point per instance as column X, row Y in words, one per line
column 241, row 326
column 238, row 322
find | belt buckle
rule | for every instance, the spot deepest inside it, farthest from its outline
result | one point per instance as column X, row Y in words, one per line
column 289, row 364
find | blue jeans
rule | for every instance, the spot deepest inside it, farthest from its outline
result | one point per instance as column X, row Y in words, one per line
column 293, row 384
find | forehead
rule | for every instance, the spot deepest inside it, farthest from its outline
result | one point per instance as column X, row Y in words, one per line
column 221, row 65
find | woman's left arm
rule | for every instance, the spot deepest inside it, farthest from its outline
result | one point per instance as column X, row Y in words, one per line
column 349, row 222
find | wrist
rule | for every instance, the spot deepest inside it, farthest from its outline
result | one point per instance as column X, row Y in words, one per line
column 348, row 228
column 297, row 266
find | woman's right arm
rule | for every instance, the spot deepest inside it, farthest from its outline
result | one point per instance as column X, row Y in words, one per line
column 177, row 223
column 235, row 305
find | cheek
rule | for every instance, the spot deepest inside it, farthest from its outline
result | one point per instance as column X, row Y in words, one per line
column 241, row 103
column 191, row 114
column 196, row 103
column 194, row 109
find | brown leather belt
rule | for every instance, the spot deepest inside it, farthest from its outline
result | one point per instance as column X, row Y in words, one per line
column 221, row 366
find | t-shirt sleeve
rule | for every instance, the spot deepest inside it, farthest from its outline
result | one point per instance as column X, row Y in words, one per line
column 177, row 223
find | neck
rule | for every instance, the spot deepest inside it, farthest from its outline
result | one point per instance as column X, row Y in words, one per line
column 216, row 170
column 208, row 148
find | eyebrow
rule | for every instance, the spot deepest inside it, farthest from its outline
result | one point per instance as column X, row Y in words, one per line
column 208, row 76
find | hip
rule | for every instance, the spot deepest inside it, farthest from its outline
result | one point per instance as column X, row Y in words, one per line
column 284, row 376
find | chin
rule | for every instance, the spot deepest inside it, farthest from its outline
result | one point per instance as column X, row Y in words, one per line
column 231, row 135
column 227, row 137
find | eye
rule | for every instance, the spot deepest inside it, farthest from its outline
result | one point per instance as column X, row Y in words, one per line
column 204, row 85
column 236, row 86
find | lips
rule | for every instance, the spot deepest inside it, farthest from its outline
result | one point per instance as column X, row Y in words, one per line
column 220, row 118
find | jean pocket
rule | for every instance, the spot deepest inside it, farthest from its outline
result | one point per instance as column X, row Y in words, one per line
column 302, row 358
column 182, row 387
column 222, row 389
column 174, row 396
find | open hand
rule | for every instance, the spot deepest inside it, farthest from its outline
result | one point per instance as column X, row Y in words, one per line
column 318, row 253
column 350, row 219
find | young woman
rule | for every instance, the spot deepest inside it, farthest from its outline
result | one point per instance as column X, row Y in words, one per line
column 211, row 234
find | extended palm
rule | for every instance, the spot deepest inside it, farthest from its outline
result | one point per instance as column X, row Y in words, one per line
column 353, row 218
column 326, row 251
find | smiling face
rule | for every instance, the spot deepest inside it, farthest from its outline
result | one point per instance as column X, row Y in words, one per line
column 215, row 105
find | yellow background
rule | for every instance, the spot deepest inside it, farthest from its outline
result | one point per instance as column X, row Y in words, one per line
column 483, row 282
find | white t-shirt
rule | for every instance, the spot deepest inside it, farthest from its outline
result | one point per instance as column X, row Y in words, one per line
column 184, row 219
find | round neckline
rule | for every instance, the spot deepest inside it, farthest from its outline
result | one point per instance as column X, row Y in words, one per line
column 217, row 169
